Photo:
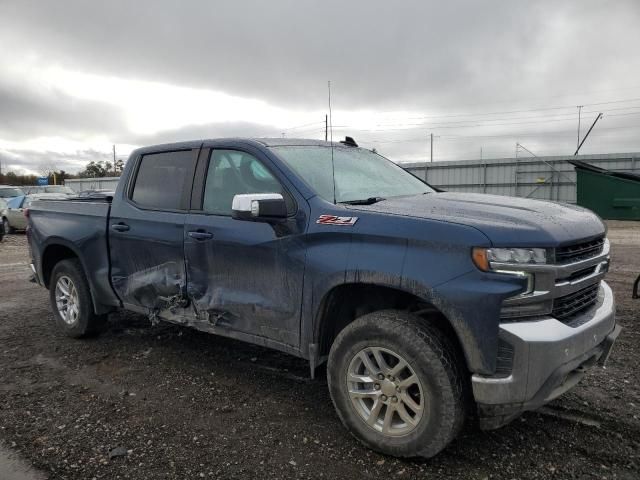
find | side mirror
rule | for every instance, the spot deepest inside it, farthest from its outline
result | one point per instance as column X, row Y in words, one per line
column 259, row 206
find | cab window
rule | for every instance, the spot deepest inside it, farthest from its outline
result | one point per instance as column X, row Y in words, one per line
column 233, row 172
column 163, row 180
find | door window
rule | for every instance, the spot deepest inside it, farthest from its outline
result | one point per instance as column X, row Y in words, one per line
column 162, row 180
column 232, row 172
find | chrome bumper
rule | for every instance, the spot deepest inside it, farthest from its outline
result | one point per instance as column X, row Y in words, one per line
column 549, row 357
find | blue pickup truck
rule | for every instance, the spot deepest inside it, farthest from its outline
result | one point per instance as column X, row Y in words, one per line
column 428, row 307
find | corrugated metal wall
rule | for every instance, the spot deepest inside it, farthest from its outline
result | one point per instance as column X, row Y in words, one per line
column 548, row 178
column 100, row 183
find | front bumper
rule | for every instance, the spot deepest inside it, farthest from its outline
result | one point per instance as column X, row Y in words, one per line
column 548, row 358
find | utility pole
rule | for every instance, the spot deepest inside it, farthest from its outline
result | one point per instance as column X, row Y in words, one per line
column 579, row 115
column 326, row 127
column 431, row 143
column 114, row 160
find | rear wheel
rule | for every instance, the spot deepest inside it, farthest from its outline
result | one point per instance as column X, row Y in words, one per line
column 71, row 300
column 397, row 384
column 7, row 226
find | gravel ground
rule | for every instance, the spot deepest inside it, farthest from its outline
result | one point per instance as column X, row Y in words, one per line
column 147, row 402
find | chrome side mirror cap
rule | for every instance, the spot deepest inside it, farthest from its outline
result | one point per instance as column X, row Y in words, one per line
column 257, row 206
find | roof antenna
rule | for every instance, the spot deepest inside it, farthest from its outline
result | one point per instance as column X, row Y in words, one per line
column 333, row 167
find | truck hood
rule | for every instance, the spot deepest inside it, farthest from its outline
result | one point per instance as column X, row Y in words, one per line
column 506, row 221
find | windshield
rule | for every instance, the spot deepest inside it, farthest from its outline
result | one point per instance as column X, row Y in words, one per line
column 58, row 189
column 10, row 192
column 359, row 174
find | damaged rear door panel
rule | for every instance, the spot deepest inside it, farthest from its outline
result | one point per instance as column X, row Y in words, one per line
column 244, row 277
column 146, row 231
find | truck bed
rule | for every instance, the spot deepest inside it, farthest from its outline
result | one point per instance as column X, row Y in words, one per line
column 79, row 225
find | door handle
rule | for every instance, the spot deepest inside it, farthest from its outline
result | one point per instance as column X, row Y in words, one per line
column 201, row 235
column 120, row 227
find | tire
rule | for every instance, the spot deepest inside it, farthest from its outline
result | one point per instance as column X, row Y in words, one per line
column 438, row 389
column 79, row 320
column 7, row 226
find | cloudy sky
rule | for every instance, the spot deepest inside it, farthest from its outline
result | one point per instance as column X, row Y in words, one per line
column 77, row 76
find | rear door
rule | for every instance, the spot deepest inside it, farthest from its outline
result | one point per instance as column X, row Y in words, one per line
column 146, row 230
column 244, row 276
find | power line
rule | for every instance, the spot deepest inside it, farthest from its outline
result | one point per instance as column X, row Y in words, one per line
column 461, row 123
column 310, row 125
column 471, row 125
column 539, row 109
column 542, row 134
column 302, row 126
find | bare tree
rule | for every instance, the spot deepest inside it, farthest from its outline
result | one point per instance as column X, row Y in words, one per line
column 47, row 168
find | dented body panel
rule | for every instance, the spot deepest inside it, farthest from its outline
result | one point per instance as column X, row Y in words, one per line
column 248, row 277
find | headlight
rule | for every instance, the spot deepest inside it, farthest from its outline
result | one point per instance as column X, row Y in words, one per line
column 517, row 255
column 496, row 259
column 517, row 262
column 485, row 258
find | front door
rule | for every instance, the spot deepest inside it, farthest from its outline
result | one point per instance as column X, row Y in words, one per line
column 244, row 276
column 146, row 229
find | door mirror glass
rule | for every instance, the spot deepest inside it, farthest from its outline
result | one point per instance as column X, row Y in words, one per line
column 258, row 206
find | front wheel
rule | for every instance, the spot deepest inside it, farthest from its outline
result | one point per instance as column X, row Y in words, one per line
column 71, row 300
column 397, row 384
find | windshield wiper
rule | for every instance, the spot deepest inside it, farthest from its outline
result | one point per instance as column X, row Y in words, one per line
column 364, row 201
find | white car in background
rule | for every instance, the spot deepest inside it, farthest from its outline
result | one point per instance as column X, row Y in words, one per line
column 13, row 216
column 3, row 207
column 9, row 191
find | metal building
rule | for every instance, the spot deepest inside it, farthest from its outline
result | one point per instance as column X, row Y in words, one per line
column 547, row 178
column 96, row 183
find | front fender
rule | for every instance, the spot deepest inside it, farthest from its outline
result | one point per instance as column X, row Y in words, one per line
column 430, row 260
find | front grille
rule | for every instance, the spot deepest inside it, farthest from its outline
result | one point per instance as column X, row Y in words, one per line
column 579, row 251
column 579, row 274
column 564, row 308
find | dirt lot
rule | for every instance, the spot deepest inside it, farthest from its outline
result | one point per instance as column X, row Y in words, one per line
column 184, row 404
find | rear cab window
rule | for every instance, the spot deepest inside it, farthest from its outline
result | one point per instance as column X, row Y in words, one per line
column 163, row 180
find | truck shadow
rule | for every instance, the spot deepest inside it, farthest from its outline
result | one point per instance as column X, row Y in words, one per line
column 247, row 379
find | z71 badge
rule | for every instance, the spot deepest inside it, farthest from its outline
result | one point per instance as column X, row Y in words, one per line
column 335, row 220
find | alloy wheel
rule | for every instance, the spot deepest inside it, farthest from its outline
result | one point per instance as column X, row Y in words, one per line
column 67, row 301
column 385, row 391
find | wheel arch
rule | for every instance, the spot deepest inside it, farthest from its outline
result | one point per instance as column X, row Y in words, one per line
column 343, row 303
column 57, row 250
column 51, row 256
